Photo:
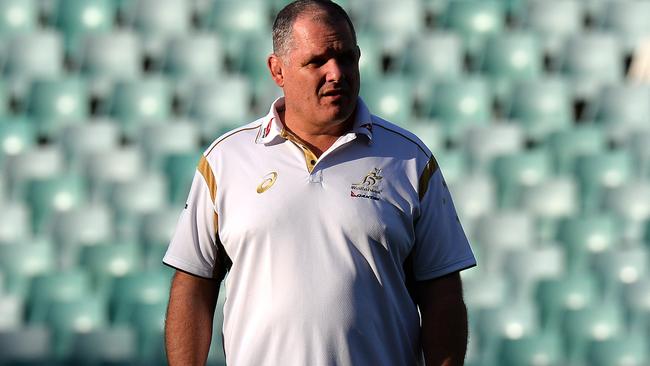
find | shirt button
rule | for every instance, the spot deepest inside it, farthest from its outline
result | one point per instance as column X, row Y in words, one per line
column 313, row 162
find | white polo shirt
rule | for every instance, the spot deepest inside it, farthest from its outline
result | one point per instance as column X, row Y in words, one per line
column 319, row 245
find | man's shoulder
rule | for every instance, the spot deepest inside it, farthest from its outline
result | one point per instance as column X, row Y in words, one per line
column 240, row 137
column 395, row 136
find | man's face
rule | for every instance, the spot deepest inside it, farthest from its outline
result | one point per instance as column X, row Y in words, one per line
column 320, row 72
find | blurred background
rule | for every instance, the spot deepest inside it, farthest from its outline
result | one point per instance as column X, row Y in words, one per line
column 535, row 109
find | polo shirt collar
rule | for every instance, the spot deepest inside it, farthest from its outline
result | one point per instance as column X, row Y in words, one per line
column 272, row 129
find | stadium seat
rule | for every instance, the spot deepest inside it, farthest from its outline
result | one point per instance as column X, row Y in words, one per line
column 502, row 231
column 68, row 318
column 626, row 19
column 487, row 142
column 136, row 101
column 592, row 60
column 390, row 98
column 22, row 261
column 600, row 171
column 632, row 202
column 54, row 103
column 627, row 349
column 568, row 145
column 149, row 320
column 429, row 132
column 553, row 198
column 151, row 287
column 179, row 169
column 16, row 136
column 636, row 297
column 434, row 56
column 511, row 57
column 474, row 196
column 520, row 169
column 395, row 24
column 527, row 266
column 575, row 290
column 158, row 227
column 585, row 235
column 107, row 262
column 622, row 109
column 115, row 165
column 543, row 348
column 155, row 20
column 108, row 57
column 112, row 346
column 220, row 104
column 4, row 99
column 37, row 163
column 542, row 106
column 453, row 164
column 14, row 222
column 194, row 56
column 239, row 17
column 82, row 140
column 487, row 290
column 173, row 137
column 12, row 312
column 17, row 16
column 33, row 55
column 132, row 198
column 77, row 18
column 554, row 21
column 621, row 266
column 56, row 286
column 26, row 345
column 600, row 321
column 58, row 193
column 85, row 225
column 459, row 104
column 474, row 20
column 371, row 60
column 639, row 144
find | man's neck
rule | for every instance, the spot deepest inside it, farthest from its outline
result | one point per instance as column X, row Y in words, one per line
column 317, row 138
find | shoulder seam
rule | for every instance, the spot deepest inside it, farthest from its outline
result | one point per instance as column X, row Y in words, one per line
column 228, row 135
column 406, row 137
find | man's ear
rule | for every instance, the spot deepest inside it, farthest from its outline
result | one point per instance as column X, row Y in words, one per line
column 275, row 66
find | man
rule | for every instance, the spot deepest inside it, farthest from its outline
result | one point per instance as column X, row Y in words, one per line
column 335, row 226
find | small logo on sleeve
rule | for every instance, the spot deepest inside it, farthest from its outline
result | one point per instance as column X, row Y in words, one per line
column 368, row 187
column 268, row 181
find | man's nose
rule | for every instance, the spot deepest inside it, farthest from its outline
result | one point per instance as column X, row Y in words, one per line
column 333, row 70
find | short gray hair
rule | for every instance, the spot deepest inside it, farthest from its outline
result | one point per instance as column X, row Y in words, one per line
column 283, row 24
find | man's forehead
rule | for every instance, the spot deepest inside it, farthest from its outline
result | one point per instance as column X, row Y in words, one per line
column 321, row 24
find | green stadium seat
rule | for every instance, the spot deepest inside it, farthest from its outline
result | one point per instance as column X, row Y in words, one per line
column 371, row 60
column 459, row 104
column 554, row 21
column 487, row 290
column 149, row 320
column 220, row 104
column 151, row 287
column 112, row 346
column 485, row 143
column 621, row 266
column 26, row 345
column 527, row 266
column 585, row 235
column 14, row 222
column 474, row 196
column 598, row 322
column 511, row 57
column 174, row 137
column 453, row 164
column 77, row 18
column 249, row 57
column 68, row 318
column 86, row 225
column 429, row 132
column 179, row 169
column 550, row 201
column 22, row 261
column 434, row 56
column 474, row 20
column 574, row 291
column 636, row 297
column 194, row 56
column 639, row 144
column 54, row 103
column 500, row 232
column 16, row 136
column 631, row 201
column 395, row 24
column 627, row 349
column 599, row 171
column 627, row 20
column 592, row 60
column 37, row 163
column 58, row 193
column 155, row 18
column 145, row 100
column 32, row 55
column 115, row 165
column 239, row 17
column 568, row 145
column 18, row 16
column 111, row 56
column 58, row 286
column 158, row 227
column 82, row 140
column 544, row 348
column 11, row 312
column 4, row 100
column 133, row 198
column 516, row 170
column 390, row 98
column 106, row 262
column 622, row 109
column 542, row 106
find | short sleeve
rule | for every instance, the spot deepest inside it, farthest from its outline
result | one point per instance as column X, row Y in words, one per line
column 441, row 246
column 194, row 247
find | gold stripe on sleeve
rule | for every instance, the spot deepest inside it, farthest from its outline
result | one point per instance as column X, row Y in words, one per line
column 429, row 169
column 206, row 172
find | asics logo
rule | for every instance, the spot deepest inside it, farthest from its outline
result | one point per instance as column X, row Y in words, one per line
column 268, row 181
